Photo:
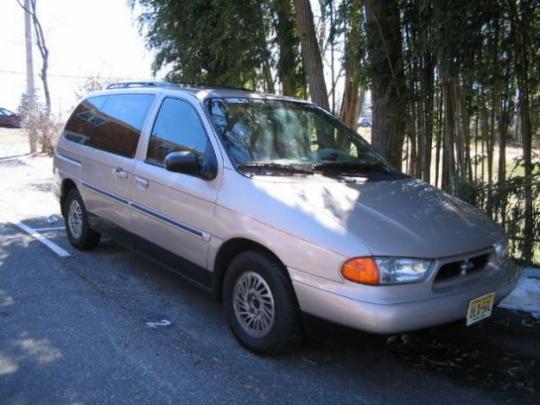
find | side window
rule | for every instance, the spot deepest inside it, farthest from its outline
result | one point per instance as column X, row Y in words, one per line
column 118, row 124
column 177, row 128
column 81, row 123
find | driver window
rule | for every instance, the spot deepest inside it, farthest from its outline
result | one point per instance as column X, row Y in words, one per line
column 177, row 128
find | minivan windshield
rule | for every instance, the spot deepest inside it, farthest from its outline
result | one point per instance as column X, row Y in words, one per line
column 290, row 137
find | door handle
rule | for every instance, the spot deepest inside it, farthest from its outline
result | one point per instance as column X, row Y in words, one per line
column 141, row 183
column 120, row 173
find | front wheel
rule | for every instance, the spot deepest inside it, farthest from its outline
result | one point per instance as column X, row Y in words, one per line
column 78, row 230
column 260, row 304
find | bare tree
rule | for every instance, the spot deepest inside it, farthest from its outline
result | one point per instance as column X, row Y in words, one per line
column 30, row 95
column 91, row 85
column 42, row 47
column 46, row 133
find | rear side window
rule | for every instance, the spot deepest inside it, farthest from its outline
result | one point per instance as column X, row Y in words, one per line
column 118, row 124
column 82, row 121
column 177, row 128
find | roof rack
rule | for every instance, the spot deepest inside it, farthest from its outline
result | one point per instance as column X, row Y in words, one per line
column 125, row 85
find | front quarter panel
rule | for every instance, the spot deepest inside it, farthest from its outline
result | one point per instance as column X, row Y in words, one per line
column 292, row 251
column 293, row 232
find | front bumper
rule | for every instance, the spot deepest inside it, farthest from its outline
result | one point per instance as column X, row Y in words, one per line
column 401, row 316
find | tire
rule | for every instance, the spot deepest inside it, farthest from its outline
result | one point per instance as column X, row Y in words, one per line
column 260, row 304
column 78, row 230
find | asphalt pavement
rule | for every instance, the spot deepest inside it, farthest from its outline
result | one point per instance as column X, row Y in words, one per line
column 108, row 326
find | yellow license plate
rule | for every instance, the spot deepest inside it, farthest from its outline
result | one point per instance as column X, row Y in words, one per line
column 480, row 308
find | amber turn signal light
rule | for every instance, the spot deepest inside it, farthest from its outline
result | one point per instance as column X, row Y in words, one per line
column 361, row 270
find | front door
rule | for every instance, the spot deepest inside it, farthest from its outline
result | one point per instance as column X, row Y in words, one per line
column 174, row 210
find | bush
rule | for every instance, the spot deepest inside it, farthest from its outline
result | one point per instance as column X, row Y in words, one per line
column 38, row 122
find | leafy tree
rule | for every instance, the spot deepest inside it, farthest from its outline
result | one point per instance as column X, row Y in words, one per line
column 207, row 41
column 289, row 63
column 452, row 82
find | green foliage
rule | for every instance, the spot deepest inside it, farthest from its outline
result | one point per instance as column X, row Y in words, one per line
column 288, row 65
column 349, row 23
column 508, row 206
column 207, row 41
column 468, row 191
column 458, row 78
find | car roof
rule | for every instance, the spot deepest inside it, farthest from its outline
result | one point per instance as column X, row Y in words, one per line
column 201, row 92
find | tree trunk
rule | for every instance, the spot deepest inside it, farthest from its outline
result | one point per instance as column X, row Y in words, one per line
column 288, row 44
column 427, row 128
column 360, row 103
column 449, row 134
column 268, row 79
column 413, row 157
column 503, row 123
column 526, row 131
column 465, row 123
column 311, row 54
column 388, row 79
column 349, row 105
column 438, row 135
column 459, row 133
column 476, row 135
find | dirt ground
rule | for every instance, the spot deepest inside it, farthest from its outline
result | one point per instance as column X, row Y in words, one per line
column 13, row 142
column 27, row 184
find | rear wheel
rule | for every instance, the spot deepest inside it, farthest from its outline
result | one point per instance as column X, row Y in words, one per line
column 78, row 230
column 260, row 304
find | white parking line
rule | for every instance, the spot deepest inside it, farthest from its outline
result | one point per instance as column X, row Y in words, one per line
column 17, row 157
column 51, row 228
column 36, row 235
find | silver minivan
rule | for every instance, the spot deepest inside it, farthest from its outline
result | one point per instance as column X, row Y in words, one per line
column 278, row 209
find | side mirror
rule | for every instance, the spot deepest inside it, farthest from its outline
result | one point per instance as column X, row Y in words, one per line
column 187, row 162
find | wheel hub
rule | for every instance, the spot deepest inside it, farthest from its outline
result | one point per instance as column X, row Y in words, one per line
column 253, row 304
column 75, row 219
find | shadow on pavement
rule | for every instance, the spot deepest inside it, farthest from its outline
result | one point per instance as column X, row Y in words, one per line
column 500, row 355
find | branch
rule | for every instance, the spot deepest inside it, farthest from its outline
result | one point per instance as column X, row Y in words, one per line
column 23, row 7
column 40, row 37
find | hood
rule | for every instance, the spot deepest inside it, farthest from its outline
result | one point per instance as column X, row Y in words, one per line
column 402, row 218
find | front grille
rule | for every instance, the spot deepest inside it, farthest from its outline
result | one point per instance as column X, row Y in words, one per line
column 462, row 267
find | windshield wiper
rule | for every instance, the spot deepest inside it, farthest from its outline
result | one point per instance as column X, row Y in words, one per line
column 292, row 169
column 351, row 167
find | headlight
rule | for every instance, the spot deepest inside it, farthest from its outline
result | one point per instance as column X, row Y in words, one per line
column 385, row 270
column 501, row 250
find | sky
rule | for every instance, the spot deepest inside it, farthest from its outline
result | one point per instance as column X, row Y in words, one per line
column 85, row 38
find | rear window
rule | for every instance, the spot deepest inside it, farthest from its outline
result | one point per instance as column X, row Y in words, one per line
column 79, row 126
column 111, row 123
column 119, row 123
